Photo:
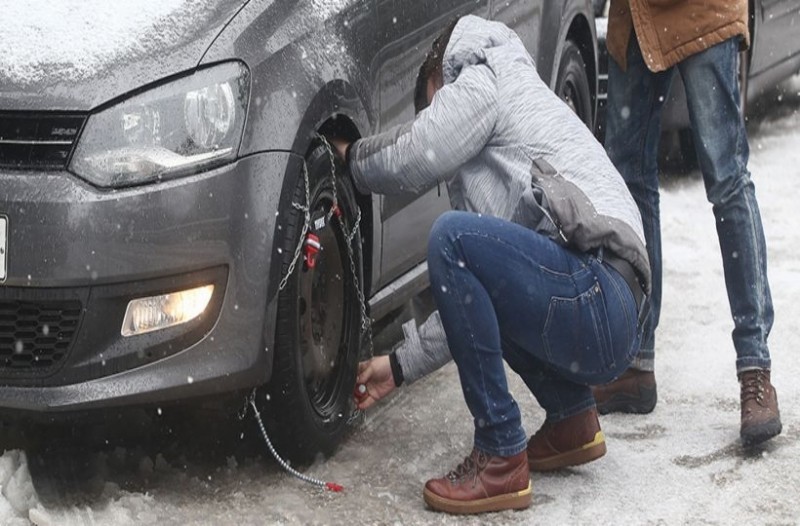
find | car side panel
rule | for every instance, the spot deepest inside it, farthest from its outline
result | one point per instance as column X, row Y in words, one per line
column 543, row 28
column 775, row 48
column 525, row 18
column 295, row 51
column 778, row 36
column 406, row 29
column 307, row 65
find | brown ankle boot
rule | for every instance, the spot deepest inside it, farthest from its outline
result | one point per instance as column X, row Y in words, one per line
column 575, row 440
column 633, row 392
column 482, row 483
column 761, row 419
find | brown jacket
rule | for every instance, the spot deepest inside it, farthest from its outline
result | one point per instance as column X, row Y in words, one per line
column 671, row 30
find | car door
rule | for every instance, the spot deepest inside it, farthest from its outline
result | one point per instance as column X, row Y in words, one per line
column 407, row 28
column 778, row 37
column 525, row 18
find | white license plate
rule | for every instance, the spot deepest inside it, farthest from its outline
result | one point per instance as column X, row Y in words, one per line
column 3, row 246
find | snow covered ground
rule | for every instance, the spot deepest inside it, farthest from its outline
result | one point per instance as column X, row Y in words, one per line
column 682, row 464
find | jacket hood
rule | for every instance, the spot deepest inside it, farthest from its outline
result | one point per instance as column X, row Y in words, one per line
column 78, row 54
column 471, row 38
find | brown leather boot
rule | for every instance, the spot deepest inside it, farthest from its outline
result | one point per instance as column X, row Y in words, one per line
column 633, row 392
column 575, row 440
column 761, row 418
column 482, row 483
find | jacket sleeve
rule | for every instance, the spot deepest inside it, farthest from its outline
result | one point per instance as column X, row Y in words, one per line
column 424, row 348
column 415, row 156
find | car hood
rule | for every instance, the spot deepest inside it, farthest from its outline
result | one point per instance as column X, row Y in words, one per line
column 75, row 55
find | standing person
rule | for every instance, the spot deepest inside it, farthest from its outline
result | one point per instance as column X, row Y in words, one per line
column 648, row 41
column 542, row 264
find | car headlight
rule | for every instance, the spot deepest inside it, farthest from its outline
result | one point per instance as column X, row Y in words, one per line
column 190, row 124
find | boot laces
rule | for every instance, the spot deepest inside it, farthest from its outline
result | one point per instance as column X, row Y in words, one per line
column 470, row 467
column 754, row 387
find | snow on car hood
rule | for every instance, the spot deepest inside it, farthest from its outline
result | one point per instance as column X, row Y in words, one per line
column 76, row 54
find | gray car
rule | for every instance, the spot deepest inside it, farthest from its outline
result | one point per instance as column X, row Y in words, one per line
column 172, row 225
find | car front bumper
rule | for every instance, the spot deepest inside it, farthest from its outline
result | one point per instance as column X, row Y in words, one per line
column 69, row 243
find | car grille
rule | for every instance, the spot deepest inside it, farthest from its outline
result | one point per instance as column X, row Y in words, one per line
column 36, row 336
column 37, row 141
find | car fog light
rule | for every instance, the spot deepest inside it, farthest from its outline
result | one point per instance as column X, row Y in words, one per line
column 159, row 312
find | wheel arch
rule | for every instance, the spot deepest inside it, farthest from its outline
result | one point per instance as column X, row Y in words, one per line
column 581, row 32
column 336, row 110
column 574, row 21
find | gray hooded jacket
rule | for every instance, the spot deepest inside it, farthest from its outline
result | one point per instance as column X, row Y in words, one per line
column 507, row 146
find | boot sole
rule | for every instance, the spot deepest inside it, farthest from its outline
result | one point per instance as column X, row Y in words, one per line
column 517, row 500
column 586, row 453
column 624, row 403
column 755, row 435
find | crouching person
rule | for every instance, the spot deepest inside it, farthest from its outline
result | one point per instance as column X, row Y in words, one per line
column 542, row 264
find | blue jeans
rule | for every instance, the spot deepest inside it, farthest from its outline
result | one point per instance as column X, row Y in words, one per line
column 562, row 320
column 635, row 100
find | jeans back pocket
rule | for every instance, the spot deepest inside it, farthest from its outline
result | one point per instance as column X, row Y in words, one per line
column 576, row 333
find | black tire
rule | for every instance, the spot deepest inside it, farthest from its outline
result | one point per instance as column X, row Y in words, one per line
column 572, row 83
column 318, row 322
column 599, row 7
column 62, row 475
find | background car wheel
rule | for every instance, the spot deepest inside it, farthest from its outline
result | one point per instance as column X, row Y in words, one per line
column 599, row 7
column 572, row 83
column 318, row 325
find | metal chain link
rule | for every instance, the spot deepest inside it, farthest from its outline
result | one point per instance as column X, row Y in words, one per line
column 332, row 161
column 306, row 225
column 356, row 416
column 251, row 401
column 366, row 324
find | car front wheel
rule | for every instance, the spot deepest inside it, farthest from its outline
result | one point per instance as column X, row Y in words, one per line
column 319, row 315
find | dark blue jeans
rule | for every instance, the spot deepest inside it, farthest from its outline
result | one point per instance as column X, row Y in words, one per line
column 635, row 100
column 562, row 321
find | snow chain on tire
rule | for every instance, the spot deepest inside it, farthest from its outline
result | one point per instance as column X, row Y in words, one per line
column 366, row 324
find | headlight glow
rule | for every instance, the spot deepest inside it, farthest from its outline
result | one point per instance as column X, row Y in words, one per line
column 167, row 310
column 191, row 124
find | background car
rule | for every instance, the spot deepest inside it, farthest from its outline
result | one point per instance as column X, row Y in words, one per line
column 773, row 56
column 172, row 225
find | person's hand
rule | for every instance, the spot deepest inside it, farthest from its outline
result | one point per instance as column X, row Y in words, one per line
column 376, row 375
column 339, row 146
